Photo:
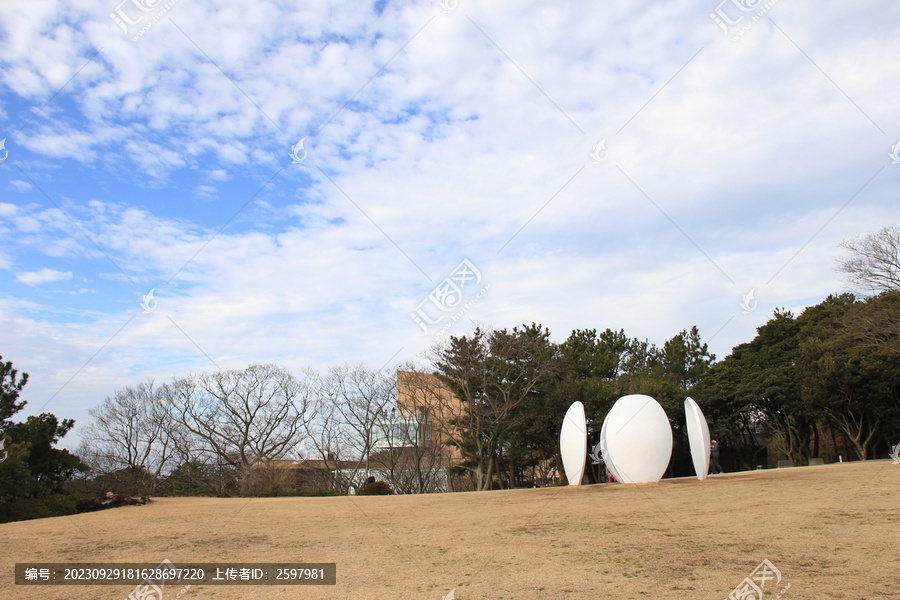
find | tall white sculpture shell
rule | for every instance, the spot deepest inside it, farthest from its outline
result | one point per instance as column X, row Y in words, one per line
column 604, row 450
column 638, row 439
column 573, row 443
column 698, row 437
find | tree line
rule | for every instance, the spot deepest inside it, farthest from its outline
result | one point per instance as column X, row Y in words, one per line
column 802, row 384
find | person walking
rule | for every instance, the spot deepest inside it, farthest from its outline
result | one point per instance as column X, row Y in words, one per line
column 714, row 458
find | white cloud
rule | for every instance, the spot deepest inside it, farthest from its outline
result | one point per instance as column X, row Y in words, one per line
column 43, row 276
column 206, row 191
column 21, row 186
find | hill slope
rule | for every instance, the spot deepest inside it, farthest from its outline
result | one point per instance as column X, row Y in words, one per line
column 832, row 531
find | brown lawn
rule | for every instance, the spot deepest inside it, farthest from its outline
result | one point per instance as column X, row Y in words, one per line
column 832, row 531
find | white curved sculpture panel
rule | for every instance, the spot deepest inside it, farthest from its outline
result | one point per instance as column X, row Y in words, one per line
column 698, row 437
column 573, row 443
column 607, row 459
column 638, row 439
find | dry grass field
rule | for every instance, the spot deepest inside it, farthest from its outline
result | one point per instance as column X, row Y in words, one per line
column 832, row 532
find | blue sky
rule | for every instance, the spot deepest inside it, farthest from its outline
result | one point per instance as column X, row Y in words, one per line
column 432, row 134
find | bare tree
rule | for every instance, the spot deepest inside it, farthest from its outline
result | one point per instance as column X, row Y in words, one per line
column 350, row 403
column 242, row 417
column 197, row 466
column 132, row 431
column 873, row 263
column 326, row 436
column 357, row 431
column 363, row 396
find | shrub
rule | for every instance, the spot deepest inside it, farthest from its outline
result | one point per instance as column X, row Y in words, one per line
column 319, row 491
column 266, row 479
column 110, row 500
column 54, row 505
column 375, row 488
column 198, row 479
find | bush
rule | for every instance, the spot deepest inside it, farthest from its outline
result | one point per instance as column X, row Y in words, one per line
column 110, row 500
column 266, row 479
column 320, row 491
column 375, row 488
column 199, row 479
column 127, row 482
column 55, row 505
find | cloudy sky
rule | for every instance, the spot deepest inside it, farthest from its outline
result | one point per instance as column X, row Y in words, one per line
column 294, row 180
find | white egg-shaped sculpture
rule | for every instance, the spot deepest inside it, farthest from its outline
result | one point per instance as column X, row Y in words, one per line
column 573, row 443
column 698, row 437
column 638, row 439
column 604, row 451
